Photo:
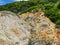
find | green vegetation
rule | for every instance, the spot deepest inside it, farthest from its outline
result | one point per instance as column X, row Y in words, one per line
column 50, row 7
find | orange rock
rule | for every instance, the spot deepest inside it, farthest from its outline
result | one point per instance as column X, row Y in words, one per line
column 24, row 16
column 15, row 30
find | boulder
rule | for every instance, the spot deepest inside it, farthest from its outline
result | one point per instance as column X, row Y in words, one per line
column 13, row 30
column 43, row 31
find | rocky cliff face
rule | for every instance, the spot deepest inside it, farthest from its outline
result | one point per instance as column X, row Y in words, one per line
column 26, row 29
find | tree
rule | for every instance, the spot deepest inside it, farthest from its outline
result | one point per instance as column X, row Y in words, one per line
column 58, row 23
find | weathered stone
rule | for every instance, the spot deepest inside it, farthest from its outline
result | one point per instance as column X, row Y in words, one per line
column 43, row 30
column 29, row 29
column 13, row 31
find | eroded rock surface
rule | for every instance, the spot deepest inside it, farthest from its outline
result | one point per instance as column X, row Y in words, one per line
column 43, row 31
column 13, row 31
column 26, row 29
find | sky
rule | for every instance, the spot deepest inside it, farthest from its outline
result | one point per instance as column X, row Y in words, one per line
column 2, row 2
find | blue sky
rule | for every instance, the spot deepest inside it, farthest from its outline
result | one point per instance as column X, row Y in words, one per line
column 2, row 2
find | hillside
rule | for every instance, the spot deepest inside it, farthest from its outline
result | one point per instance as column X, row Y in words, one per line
column 50, row 7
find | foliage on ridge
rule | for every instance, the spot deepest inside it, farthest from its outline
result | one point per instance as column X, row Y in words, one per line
column 50, row 7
